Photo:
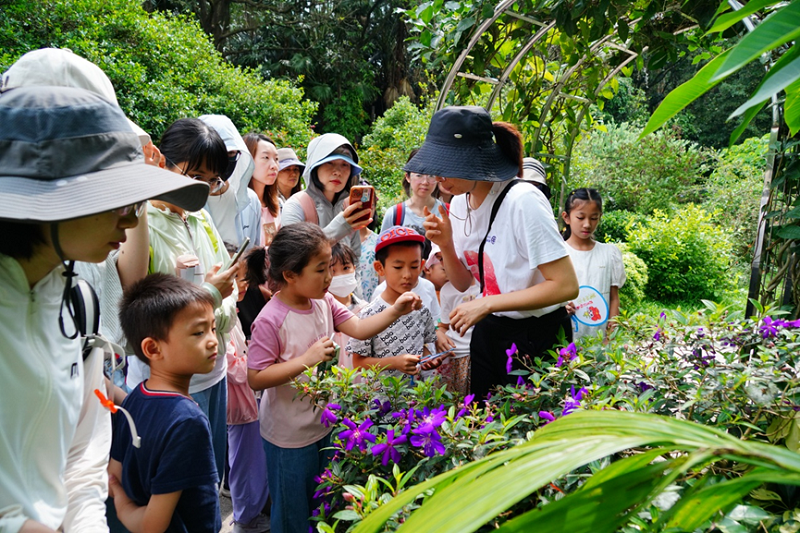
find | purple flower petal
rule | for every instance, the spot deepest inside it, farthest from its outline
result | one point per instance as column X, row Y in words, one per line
column 511, row 351
column 547, row 415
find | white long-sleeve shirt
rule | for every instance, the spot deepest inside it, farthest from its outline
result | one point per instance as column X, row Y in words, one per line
column 55, row 436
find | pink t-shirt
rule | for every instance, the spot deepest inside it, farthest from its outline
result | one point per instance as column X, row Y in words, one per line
column 281, row 333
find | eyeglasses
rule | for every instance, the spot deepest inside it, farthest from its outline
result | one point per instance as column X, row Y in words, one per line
column 214, row 184
column 423, row 177
column 137, row 209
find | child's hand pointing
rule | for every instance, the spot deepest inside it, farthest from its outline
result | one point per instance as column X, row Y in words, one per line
column 407, row 302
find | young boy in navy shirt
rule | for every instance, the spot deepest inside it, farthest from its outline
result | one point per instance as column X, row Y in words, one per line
column 170, row 482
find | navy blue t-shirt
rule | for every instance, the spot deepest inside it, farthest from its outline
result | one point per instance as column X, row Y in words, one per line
column 176, row 454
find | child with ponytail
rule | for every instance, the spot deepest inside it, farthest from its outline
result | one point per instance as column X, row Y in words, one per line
column 598, row 265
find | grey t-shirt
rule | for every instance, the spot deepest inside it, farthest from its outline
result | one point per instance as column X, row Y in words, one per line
column 407, row 334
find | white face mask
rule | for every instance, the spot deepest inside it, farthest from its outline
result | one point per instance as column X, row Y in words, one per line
column 342, row 286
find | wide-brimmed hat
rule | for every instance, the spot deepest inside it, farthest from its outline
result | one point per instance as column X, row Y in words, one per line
column 323, row 149
column 60, row 67
column 68, row 153
column 287, row 158
column 460, row 144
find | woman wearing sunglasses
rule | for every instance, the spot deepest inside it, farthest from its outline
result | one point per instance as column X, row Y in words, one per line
column 186, row 243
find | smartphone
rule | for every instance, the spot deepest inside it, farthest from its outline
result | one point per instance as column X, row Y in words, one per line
column 366, row 195
column 238, row 253
column 435, row 355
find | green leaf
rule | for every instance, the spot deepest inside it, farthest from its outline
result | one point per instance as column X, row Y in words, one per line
column 466, row 24
column 782, row 74
column 791, row 107
column 729, row 19
column 780, row 28
column 683, row 95
column 746, row 120
column 789, row 232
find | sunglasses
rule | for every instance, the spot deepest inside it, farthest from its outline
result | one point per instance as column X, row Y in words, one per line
column 137, row 209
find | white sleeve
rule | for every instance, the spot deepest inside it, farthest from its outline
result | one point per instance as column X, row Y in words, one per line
column 618, row 276
column 85, row 476
column 539, row 233
column 12, row 519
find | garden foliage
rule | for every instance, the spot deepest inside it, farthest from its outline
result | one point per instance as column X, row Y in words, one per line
column 163, row 67
column 707, row 367
column 639, row 175
column 385, row 149
column 636, row 278
column 688, row 257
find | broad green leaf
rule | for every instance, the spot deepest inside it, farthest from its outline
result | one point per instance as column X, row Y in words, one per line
column 783, row 73
column 780, row 28
column 746, row 120
column 791, row 107
column 684, row 94
column 729, row 19
column 789, row 232
column 460, row 504
column 597, row 510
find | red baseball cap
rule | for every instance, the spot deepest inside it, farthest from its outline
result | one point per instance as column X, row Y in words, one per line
column 397, row 234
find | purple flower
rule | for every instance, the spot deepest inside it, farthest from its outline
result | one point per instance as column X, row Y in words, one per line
column 467, row 401
column 657, row 336
column 547, row 415
column 567, row 354
column 573, row 402
column 429, row 441
column 387, row 449
column 328, row 417
column 432, row 418
column 510, row 360
column 643, row 387
column 769, row 328
column 382, row 408
column 520, row 381
column 663, row 315
column 792, row 324
column 356, row 435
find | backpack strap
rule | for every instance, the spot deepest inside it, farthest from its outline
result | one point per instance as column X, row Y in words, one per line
column 309, row 208
column 399, row 214
column 86, row 306
column 495, row 208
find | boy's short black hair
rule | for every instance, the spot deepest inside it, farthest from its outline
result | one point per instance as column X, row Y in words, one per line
column 148, row 307
column 343, row 254
column 383, row 253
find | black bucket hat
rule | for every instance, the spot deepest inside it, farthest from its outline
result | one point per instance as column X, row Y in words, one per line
column 67, row 153
column 460, row 144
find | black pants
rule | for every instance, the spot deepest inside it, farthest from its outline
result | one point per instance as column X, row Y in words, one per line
column 493, row 335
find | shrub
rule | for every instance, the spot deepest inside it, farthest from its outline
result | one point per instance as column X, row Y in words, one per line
column 635, row 175
column 163, row 67
column 393, row 136
column 636, row 277
column 733, row 190
column 686, row 254
column 615, row 225
column 705, row 367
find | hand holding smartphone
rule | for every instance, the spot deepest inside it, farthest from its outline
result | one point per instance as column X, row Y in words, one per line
column 366, row 195
column 238, row 254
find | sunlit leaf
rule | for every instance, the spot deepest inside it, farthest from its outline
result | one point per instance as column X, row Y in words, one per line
column 729, row 19
column 780, row 28
column 684, row 94
column 783, row 73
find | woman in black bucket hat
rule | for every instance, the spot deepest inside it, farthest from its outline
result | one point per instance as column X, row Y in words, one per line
column 501, row 232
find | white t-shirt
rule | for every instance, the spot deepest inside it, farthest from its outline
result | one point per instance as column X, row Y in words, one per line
column 601, row 268
column 524, row 235
column 450, row 298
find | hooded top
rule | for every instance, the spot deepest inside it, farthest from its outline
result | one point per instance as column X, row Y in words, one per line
column 237, row 212
column 331, row 219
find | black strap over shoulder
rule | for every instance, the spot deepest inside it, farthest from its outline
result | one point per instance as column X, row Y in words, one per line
column 495, row 208
column 86, row 308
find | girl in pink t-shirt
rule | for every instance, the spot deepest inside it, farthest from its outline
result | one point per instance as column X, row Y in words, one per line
column 292, row 333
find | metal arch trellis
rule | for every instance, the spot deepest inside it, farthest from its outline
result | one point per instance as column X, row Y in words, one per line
column 559, row 89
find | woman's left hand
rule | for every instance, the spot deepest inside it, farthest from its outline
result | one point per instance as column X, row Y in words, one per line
column 468, row 314
column 407, row 302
